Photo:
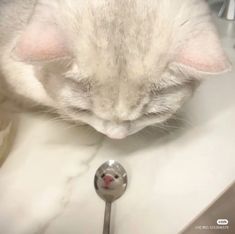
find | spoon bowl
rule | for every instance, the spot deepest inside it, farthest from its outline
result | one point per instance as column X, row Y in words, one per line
column 110, row 181
column 110, row 184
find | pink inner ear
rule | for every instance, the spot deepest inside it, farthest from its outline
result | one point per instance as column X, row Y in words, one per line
column 41, row 42
column 204, row 54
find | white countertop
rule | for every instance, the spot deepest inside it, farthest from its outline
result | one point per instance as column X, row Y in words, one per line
column 46, row 185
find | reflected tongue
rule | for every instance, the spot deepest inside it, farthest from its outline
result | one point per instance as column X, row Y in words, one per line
column 107, row 180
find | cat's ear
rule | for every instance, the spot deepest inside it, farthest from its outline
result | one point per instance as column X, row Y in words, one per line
column 40, row 43
column 42, row 40
column 203, row 54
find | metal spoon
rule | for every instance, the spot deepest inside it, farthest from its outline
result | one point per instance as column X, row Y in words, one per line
column 110, row 184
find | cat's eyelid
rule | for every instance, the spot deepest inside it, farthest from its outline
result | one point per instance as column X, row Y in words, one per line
column 163, row 85
column 79, row 109
column 84, row 85
column 72, row 78
column 75, row 76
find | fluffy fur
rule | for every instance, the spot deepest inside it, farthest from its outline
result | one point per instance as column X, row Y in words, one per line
column 118, row 66
column 7, row 131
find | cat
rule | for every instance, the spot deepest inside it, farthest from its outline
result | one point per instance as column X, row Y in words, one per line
column 118, row 66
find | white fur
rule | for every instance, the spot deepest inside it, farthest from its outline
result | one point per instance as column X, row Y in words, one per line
column 113, row 59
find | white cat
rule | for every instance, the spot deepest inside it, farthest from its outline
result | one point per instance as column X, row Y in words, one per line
column 118, row 66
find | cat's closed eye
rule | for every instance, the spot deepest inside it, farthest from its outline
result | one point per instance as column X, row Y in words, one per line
column 79, row 84
column 79, row 110
column 151, row 114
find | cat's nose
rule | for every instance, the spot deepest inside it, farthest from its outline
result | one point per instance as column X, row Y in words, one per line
column 108, row 179
column 118, row 136
column 116, row 132
column 113, row 130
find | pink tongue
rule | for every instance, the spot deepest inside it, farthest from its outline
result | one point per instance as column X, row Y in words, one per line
column 107, row 180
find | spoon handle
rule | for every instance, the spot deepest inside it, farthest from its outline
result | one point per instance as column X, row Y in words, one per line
column 107, row 218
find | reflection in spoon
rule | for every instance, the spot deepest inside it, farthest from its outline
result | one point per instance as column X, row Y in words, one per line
column 110, row 184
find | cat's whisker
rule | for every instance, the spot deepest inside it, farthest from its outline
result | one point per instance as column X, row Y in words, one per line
column 75, row 125
column 182, row 120
column 167, row 127
column 160, row 128
column 47, row 111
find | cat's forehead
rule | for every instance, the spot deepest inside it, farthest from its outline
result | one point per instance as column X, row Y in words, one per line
column 130, row 70
column 118, row 39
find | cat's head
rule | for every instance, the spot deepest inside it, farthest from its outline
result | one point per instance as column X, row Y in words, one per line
column 121, row 71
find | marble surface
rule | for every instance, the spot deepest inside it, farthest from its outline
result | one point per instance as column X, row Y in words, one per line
column 46, row 184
